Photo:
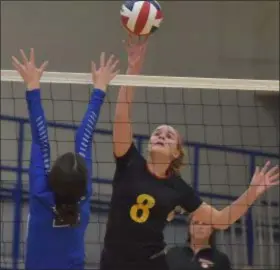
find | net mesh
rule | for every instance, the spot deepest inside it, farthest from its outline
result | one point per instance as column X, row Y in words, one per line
column 230, row 130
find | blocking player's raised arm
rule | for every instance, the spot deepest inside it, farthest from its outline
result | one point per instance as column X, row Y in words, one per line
column 40, row 149
column 101, row 78
column 122, row 131
column 84, row 134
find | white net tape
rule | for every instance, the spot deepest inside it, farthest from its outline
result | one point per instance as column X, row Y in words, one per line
column 154, row 81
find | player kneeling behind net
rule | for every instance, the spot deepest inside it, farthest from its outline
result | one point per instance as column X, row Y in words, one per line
column 146, row 191
column 59, row 205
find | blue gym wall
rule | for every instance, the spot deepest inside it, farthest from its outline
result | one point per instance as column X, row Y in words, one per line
column 204, row 39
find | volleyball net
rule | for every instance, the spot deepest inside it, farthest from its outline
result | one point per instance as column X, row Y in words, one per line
column 227, row 132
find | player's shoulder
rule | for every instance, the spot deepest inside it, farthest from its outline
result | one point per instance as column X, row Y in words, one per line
column 136, row 159
column 43, row 200
column 131, row 155
column 131, row 162
column 175, row 250
column 179, row 183
column 175, row 254
column 222, row 258
column 181, row 187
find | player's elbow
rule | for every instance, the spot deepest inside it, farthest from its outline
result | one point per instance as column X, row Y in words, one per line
column 120, row 118
column 122, row 113
column 219, row 221
column 209, row 215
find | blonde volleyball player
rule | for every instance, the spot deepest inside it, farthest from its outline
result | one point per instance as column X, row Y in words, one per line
column 145, row 191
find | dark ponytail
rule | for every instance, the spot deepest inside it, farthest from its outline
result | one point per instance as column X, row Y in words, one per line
column 68, row 181
column 67, row 214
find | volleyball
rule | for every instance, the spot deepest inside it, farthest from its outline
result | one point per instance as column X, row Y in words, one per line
column 141, row 18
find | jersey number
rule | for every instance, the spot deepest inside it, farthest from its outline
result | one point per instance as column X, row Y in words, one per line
column 140, row 211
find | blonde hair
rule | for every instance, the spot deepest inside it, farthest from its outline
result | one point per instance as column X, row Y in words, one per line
column 177, row 164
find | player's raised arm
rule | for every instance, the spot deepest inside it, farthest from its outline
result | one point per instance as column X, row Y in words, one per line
column 101, row 77
column 122, row 131
column 40, row 151
column 262, row 180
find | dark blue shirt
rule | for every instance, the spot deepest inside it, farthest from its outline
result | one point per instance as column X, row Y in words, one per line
column 183, row 258
column 50, row 247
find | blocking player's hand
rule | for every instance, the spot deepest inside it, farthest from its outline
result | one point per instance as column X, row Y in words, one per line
column 28, row 70
column 106, row 72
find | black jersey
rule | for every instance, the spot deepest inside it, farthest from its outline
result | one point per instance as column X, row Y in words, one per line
column 183, row 258
column 140, row 205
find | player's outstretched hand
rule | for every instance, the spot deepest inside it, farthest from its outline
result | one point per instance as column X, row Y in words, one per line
column 106, row 72
column 265, row 178
column 28, row 70
column 136, row 52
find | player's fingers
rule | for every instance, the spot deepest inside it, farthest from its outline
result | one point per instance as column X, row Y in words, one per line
column 142, row 40
column 93, row 67
column 130, row 40
column 17, row 68
column 102, row 59
column 257, row 170
column 93, row 71
column 144, row 46
column 15, row 61
column 265, row 167
column 43, row 66
column 135, row 61
column 24, row 57
column 145, row 43
column 110, row 61
column 17, row 65
column 114, row 65
column 129, row 44
column 274, row 177
column 145, row 39
column 142, row 49
column 273, row 170
column 115, row 74
column 20, row 70
column 32, row 57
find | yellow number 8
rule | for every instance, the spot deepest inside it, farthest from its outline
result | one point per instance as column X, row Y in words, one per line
column 140, row 211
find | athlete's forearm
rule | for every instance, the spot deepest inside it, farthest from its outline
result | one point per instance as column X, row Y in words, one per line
column 222, row 219
column 237, row 209
column 122, row 131
column 84, row 135
column 124, row 104
column 38, row 124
